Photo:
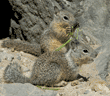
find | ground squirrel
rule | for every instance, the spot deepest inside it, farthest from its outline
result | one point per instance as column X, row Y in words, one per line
column 52, row 38
column 53, row 67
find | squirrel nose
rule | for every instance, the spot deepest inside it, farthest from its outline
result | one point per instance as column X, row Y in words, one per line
column 76, row 25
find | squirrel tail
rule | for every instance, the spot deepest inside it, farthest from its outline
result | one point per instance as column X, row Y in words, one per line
column 13, row 74
column 24, row 46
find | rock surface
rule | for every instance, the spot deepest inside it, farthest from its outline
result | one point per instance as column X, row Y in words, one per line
column 24, row 90
column 31, row 17
column 90, row 84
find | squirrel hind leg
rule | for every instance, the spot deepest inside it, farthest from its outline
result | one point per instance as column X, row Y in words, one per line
column 47, row 76
column 13, row 74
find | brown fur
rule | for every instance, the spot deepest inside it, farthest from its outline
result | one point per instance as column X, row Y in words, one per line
column 52, row 38
column 57, row 34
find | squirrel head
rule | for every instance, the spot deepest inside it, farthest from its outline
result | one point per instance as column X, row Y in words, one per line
column 81, row 53
column 63, row 24
column 66, row 18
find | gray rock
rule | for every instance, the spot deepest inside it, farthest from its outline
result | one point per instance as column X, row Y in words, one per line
column 103, row 60
column 24, row 90
column 25, row 69
column 86, row 92
column 93, row 17
column 6, row 56
column 18, row 57
column 0, row 60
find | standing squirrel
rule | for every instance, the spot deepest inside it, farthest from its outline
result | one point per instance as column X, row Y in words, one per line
column 52, row 38
column 53, row 67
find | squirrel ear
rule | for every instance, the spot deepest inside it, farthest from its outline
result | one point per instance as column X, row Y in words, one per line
column 56, row 10
column 73, row 43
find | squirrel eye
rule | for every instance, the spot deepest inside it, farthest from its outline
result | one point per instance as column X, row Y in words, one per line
column 85, row 51
column 65, row 18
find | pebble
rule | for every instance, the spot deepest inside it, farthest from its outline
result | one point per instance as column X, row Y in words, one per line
column 86, row 92
column 18, row 57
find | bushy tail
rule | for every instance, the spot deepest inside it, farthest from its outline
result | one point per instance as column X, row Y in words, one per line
column 22, row 46
column 13, row 74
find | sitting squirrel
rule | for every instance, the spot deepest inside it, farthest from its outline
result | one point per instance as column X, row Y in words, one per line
column 52, row 67
column 52, row 38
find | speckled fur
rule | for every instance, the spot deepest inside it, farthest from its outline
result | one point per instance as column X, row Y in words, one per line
column 52, row 67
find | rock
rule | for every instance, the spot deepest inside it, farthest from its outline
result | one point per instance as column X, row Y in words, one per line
column 24, row 90
column 61, row 84
column 93, row 17
column 86, row 92
column 85, row 89
column 76, row 82
column 18, row 57
column 32, row 18
column 6, row 56
column 103, row 62
column 81, row 80
column 100, row 87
